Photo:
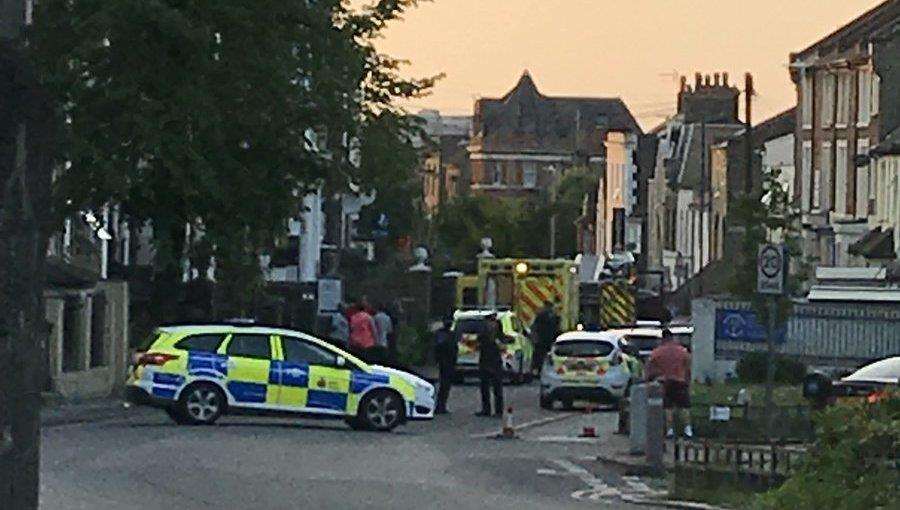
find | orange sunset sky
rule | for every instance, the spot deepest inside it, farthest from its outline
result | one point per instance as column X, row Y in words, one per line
column 621, row 48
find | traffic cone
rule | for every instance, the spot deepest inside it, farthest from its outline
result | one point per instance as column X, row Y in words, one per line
column 508, row 431
column 587, row 430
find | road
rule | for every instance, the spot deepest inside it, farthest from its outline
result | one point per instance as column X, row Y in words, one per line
column 143, row 460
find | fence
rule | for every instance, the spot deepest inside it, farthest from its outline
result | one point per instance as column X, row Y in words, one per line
column 793, row 424
column 819, row 334
column 771, row 462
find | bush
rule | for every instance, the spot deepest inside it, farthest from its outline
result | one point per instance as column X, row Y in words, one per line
column 752, row 369
column 412, row 346
column 852, row 465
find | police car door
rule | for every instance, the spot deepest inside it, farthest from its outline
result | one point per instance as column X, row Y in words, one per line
column 311, row 379
column 249, row 363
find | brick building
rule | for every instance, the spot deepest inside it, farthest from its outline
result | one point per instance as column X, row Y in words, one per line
column 522, row 140
column 841, row 113
column 445, row 159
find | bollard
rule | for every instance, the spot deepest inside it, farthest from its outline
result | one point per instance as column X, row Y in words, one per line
column 637, row 429
column 656, row 425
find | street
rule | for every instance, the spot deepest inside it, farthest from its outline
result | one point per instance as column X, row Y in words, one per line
column 144, row 460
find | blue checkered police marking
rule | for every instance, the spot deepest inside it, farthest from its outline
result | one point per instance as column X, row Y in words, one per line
column 285, row 373
column 326, row 400
column 361, row 381
column 165, row 385
column 247, row 392
column 207, row 364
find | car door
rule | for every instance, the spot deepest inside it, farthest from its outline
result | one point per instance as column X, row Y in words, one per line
column 311, row 379
column 249, row 366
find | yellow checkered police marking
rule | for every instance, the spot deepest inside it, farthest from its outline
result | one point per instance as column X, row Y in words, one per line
column 533, row 292
column 617, row 307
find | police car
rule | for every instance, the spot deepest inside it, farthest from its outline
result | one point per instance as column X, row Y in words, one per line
column 516, row 349
column 588, row 366
column 199, row 372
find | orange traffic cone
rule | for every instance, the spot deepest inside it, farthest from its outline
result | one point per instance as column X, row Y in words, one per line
column 508, row 431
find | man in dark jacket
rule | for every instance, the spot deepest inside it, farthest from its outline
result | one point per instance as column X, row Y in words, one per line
column 446, row 349
column 544, row 330
column 490, row 367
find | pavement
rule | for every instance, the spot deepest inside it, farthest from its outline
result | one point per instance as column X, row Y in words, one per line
column 138, row 457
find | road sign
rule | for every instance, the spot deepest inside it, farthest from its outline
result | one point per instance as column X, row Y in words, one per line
column 770, row 269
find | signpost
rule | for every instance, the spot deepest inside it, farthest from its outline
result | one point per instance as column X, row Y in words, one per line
column 770, row 266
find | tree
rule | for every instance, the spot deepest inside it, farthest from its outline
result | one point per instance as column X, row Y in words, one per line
column 206, row 112
column 572, row 187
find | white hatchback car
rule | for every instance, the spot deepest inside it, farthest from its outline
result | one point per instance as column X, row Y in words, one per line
column 587, row 366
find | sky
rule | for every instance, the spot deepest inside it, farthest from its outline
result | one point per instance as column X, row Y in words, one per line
column 633, row 49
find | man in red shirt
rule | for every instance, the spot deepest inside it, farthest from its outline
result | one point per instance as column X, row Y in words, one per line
column 362, row 332
column 670, row 364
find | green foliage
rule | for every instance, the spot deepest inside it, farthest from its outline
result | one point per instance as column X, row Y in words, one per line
column 199, row 112
column 412, row 346
column 520, row 227
column 752, row 367
column 764, row 218
column 853, row 463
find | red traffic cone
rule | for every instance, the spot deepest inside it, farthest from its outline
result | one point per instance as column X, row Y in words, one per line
column 588, row 431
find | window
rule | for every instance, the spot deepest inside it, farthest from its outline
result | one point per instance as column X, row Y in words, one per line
column 498, row 173
column 864, row 102
column 529, row 174
column 583, row 349
column 806, row 175
column 862, row 180
column 840, row 177
column 250, row 346
column 827, row 100
column 200, row 343
column 806, row 93
column 821, row 176
column 845, row 82
column 875, row 96
column 301, row 351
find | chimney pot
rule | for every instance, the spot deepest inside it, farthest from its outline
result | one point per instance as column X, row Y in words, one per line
column 683, row 83
column 698, row 80
column 716, row 79
column 706, row 80
column 725, row 79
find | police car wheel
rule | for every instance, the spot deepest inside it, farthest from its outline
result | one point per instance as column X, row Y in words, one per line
column 381, row 410
column 175, row 414
column 201, row 404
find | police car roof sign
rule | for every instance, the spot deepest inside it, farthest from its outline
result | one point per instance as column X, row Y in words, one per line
column 770, row 264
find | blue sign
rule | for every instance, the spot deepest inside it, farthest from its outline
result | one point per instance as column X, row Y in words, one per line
column 742, row 326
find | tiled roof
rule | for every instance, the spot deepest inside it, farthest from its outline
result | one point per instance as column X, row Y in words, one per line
column 524, row 120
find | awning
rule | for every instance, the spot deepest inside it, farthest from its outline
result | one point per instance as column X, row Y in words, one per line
column 878, row 243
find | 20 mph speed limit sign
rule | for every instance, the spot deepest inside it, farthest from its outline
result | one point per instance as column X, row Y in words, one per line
column 770, row 265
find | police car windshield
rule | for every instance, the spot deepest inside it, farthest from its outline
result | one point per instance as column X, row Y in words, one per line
column 583, row 349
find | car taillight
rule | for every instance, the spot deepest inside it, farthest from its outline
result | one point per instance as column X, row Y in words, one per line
column 155, row 358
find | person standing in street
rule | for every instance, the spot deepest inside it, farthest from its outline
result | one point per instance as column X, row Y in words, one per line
column 340, row 328
column 362, row 332
column 446, row 350
column 384, row 327
column 490, row 367
column 545, row 328
column 670, row 364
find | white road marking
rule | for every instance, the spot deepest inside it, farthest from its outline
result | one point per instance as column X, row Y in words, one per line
column 548, row 472
column 527, row 424
column 598, row 489
column 567, row 439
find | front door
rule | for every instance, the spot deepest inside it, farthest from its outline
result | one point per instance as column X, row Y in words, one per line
column 311, row 379
column 249, row 363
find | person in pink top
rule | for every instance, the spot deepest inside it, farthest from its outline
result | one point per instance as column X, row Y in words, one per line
column 670, row 364
column 362, row 331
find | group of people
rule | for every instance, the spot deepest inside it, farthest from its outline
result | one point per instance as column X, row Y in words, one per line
column 364, row 330
column 490, row 365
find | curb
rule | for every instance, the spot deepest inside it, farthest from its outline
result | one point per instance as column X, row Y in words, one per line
column 671, row 503
column 55, row 418
column 632, row 468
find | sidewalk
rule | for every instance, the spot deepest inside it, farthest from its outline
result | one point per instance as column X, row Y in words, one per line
column 56, row 412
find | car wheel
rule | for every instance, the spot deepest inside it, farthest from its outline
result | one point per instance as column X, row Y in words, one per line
column 201, row 404
column 176, row 416
column 381, row 410
column 356, row 424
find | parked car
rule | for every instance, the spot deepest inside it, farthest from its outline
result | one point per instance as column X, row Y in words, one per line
column 516, row 350
column 869, row 381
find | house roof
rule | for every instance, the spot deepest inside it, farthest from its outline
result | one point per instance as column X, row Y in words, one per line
column 857, row 30
column 878, row 243
column 890, row 145
column 776, row 126
column 524, row 120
